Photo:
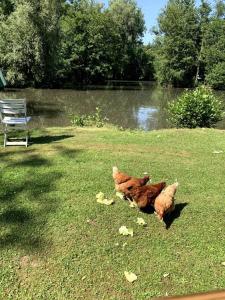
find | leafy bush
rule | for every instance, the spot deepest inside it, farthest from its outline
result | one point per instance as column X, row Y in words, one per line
column 195, row 108
column 89, row 120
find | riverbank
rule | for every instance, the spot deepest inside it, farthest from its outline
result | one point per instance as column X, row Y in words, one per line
column 57, row 242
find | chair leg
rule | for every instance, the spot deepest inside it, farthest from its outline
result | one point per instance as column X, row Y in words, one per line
column 5, row 139
column 27, row 138
column 5, row 136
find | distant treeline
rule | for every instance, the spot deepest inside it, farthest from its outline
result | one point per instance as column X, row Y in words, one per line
column 58, row 43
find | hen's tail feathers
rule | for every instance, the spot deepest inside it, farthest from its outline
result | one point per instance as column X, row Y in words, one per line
column 115, row 170
column 144, row 180
column 176, row 184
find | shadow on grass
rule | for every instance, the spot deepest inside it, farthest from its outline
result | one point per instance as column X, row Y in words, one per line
column 33, row 161
column 47, row 139
column 29, row 195
column 148, row 210
column 15, row 216
column 26, row 204
column 169, row 219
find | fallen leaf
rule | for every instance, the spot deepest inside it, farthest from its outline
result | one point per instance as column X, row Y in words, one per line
column 105, row 201
column 84, row 277
column 141, row 222
column 131, row 277
column 126, row 231
column 166, row 275
column 223, row 263
column 120, row 195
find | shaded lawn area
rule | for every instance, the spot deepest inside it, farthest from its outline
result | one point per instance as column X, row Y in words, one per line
column 56, row 242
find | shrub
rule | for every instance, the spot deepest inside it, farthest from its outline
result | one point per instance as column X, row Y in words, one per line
column 195, row 108
column 89, row 120
column 78, row 120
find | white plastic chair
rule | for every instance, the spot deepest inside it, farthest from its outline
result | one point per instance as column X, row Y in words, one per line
column 13, row 114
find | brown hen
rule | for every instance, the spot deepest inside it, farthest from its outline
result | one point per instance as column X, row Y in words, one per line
column 144, row 196
column 124, row 182
column 164, row 203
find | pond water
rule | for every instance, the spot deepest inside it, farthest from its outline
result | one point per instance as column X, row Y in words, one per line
column 134, row 105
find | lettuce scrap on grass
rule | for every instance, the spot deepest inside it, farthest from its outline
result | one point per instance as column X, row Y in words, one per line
column 126, row 231
column 131, row 277
column 102, row 200
column 141, row 221
column 119, row 195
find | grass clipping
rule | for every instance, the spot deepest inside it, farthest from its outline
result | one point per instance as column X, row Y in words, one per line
column 102, row 200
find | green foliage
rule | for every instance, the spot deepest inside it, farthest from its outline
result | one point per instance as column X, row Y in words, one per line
column 176, row 43
column 85, row 45
column 195, row 108
column 190, row 44
column 128, row 25
column 89, row 120
column 147, row 58
column 216, row 77
column 6, row 7
column 213, row 53
column 59, row 42
column 48, row 23
column 20, row 48
column 29, row 42
column 98, row 44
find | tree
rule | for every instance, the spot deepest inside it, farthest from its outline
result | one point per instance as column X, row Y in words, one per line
column 86, row 43
column 6, row 7
column 128, row 25
column 214, row 57
column 29, row 41
column 100, row 43
column 220, row 9
column 177, row 43
column 147, row 62
column 48, row 23
column 20, row 47
column 204, row 19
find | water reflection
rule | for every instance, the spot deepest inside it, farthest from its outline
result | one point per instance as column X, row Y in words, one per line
column 146, row 115
column 130, row 105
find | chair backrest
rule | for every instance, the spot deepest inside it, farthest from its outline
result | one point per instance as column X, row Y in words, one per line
column 13, row 107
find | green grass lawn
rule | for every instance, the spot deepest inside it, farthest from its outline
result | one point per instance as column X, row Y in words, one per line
column 57, row 242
